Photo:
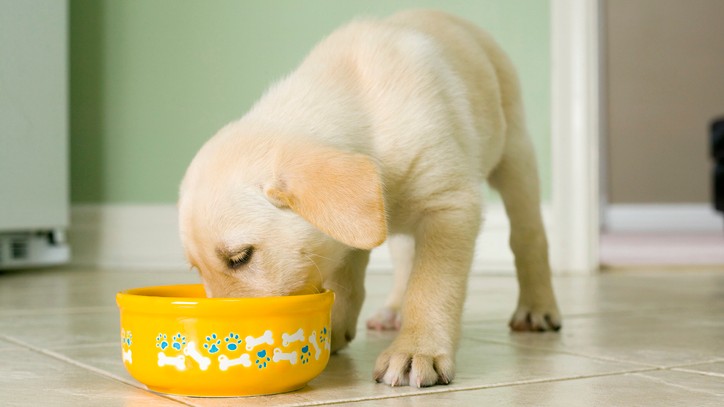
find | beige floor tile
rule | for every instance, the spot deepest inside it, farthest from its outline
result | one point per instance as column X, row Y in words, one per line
column 105, row 357
column 658, row 388
column 31, row 379
column 63, row 329
column 59, row 290
column 5, row 345
column 664, row 339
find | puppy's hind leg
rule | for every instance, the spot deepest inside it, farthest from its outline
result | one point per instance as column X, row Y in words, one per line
column 516, row 178
column 402, row 250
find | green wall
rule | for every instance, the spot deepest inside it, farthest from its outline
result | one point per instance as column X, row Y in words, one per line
column 151, row 80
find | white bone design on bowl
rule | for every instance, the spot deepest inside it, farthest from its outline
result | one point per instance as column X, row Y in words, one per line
column 295, row 337
column 128, row 356
column 190, row 351
column 225, row 362
column 313, row 340
column 252, row 342
column 177, row 361
column 279, row 355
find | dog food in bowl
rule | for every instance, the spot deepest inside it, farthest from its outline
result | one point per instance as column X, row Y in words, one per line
column 177, row 341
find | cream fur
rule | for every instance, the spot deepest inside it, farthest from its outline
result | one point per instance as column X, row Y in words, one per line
column 388, row 126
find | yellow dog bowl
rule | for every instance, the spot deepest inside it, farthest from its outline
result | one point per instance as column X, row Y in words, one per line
column 175, row 340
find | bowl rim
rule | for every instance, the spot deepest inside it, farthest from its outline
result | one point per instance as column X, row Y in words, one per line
column 141, row 299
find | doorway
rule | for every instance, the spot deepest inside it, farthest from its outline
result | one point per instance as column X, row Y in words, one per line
column 662, row 87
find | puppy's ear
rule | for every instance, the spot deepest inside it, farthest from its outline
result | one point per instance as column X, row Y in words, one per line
column 339, row 193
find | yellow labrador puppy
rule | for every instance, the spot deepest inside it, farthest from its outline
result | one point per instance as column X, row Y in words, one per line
column 387, row 127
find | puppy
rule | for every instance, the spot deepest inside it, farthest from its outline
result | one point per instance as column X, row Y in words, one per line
column 387, row 127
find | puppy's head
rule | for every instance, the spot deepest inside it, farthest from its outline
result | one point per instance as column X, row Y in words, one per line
column 262, row 217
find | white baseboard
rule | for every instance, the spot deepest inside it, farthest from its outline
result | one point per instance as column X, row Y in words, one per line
column 138, row 236
column 662, row 218
column 146, row 236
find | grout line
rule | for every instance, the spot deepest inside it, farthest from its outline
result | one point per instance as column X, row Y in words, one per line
column 564, row 352
column 692, row 364
column 699, row 372
column 677, row 367
column 665, row 382
column 687, row 368
column 706, row 362
column 82, row 365
column 441, row 390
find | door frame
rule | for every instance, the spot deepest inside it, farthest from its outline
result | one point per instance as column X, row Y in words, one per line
column 575, row 126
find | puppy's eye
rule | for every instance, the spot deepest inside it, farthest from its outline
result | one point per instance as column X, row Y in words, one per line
column 241, row 258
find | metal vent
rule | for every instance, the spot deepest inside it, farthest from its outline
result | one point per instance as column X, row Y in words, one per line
column 19, row 248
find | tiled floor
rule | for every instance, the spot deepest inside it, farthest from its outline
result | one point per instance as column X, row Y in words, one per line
column 629, row 339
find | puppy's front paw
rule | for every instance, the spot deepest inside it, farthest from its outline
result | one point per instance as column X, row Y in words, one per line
column 385, row 319
column 402, row 365
column 536, row 317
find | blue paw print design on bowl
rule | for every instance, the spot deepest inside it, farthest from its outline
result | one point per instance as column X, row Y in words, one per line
column 305, row 354
column 178, row 341
column 212, row 343
column 162, row 341
column 262, row 359
column 323, row 338
column 126, row 342
column 126, row 338
column 232, row 341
